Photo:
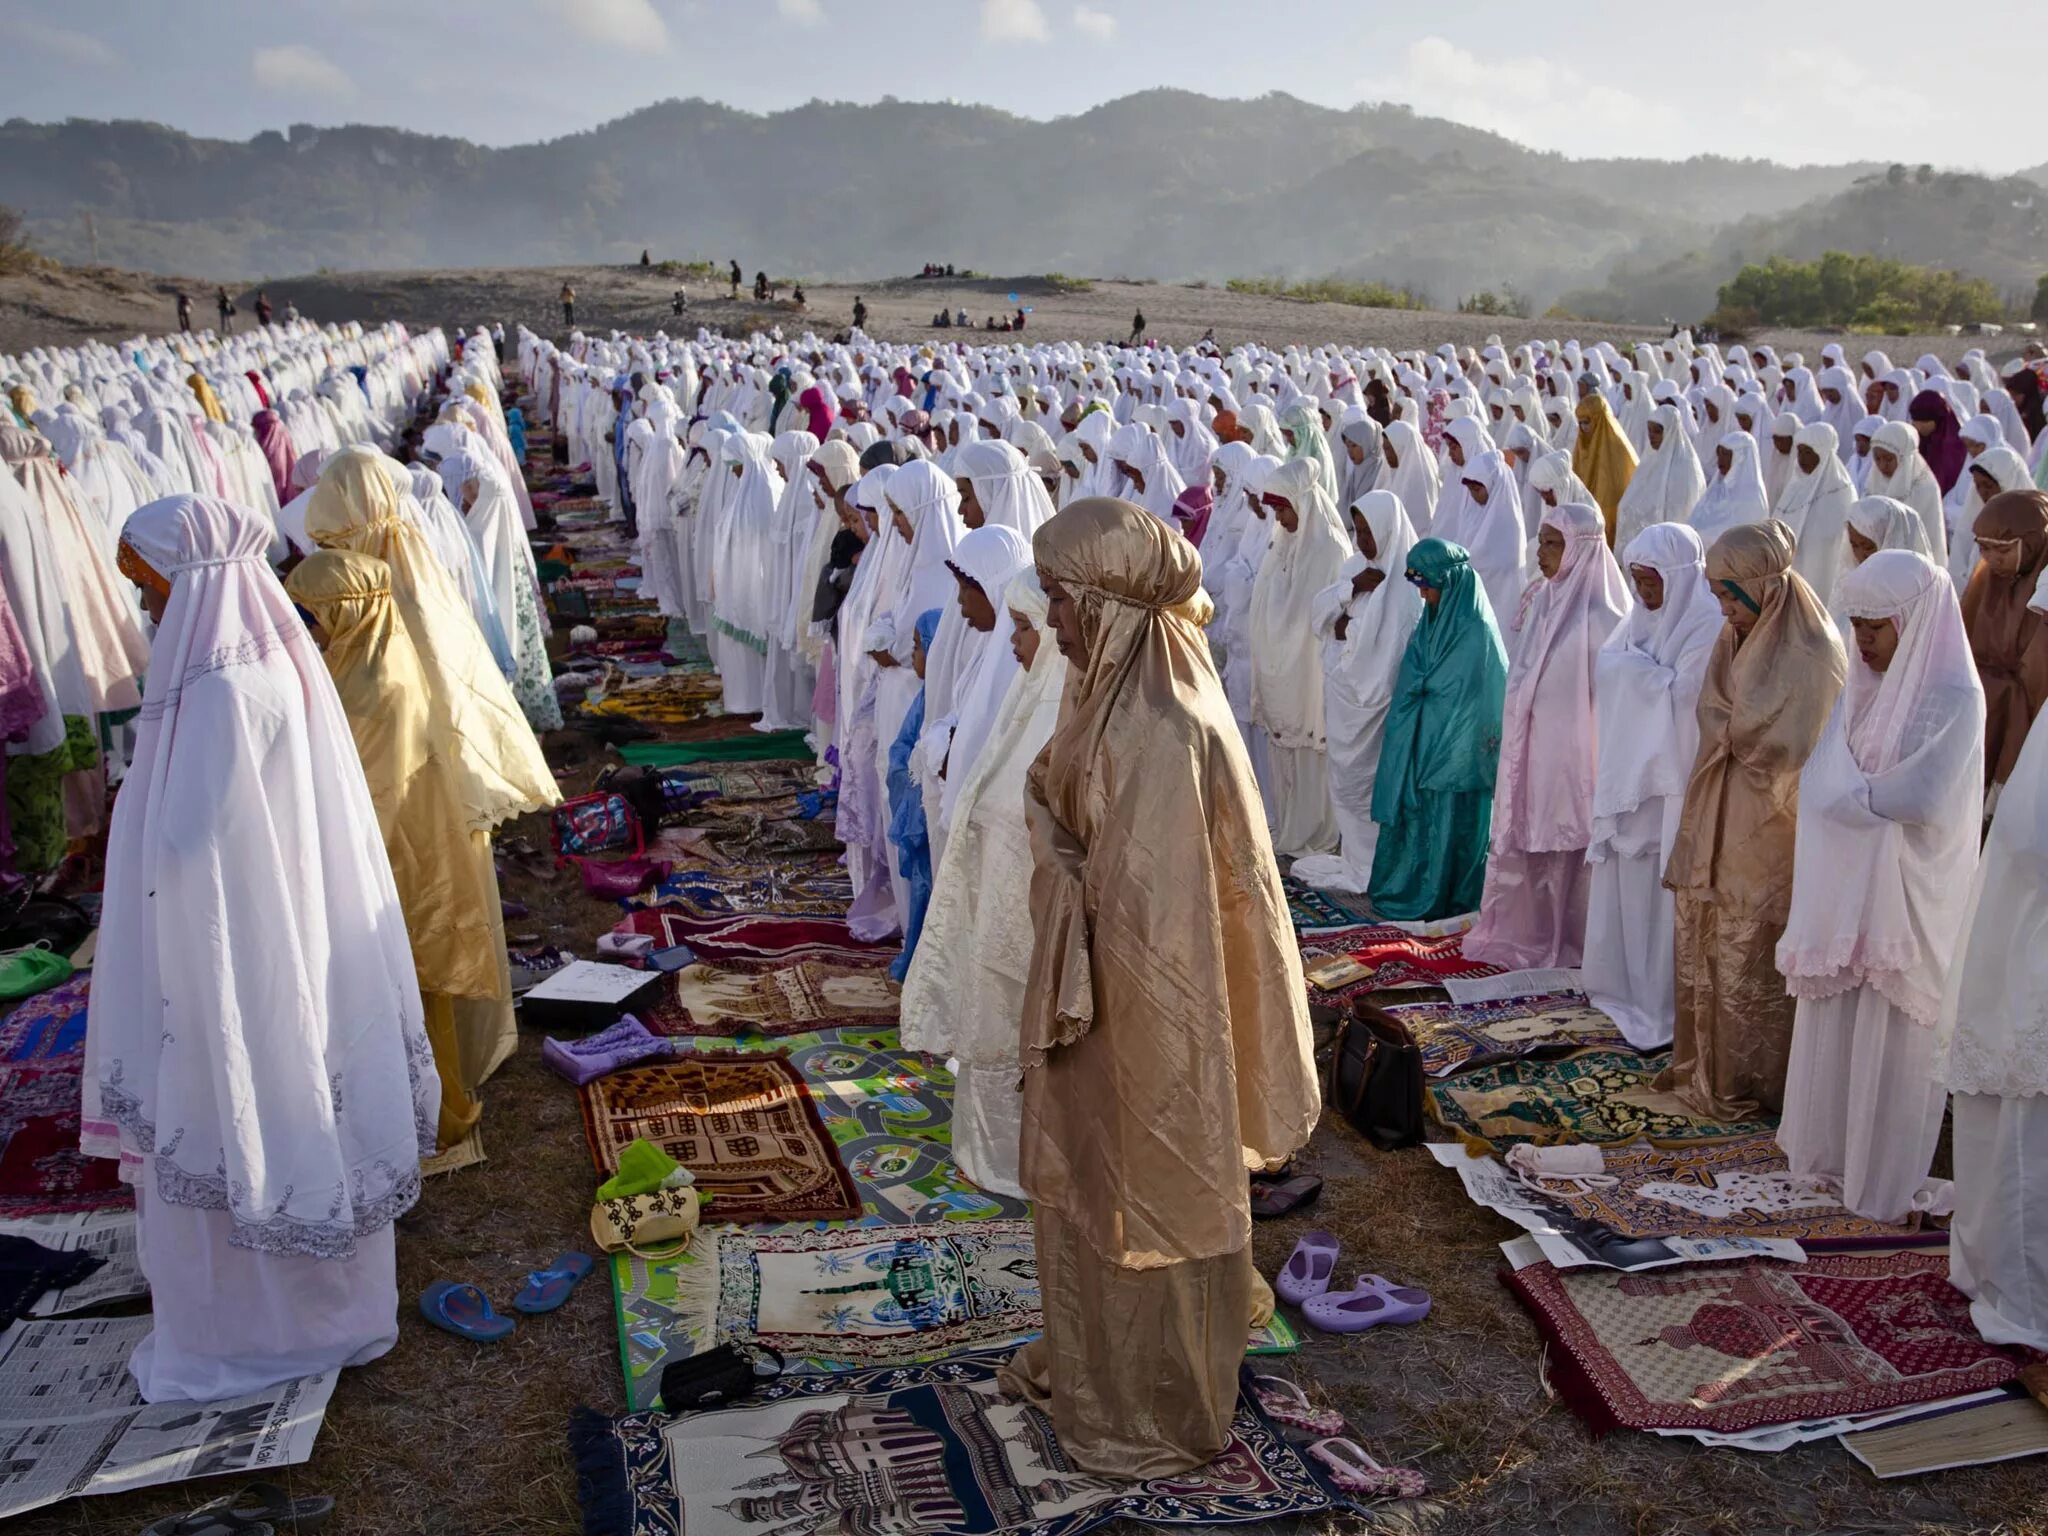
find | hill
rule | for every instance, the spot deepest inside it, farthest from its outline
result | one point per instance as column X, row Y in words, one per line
column 1163, row 184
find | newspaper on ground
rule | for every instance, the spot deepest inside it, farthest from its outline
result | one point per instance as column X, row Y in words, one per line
column 71, row 1422
column 109, row 1236
column 1507, row 984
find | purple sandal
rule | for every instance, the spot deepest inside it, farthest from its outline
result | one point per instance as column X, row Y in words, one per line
column 1309, row 1269
column 1374, row 1302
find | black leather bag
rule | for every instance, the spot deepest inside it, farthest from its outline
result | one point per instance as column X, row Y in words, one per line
column 719, row 1376
column 1376, row 1078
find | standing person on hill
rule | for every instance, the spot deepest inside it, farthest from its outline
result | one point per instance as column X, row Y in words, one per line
column 1137, row 327
column 860, row 313
column 735, row 275
column 568, row 306
column 185, row 313
column 226, row 306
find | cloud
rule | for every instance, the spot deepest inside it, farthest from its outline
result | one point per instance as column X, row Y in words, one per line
column 1530, row 99
column 1100, row 25
column 1820, row 101
column 1013, row 21
column 625, row 24
column 296, row 70
column 61, row 43
column 804, row 13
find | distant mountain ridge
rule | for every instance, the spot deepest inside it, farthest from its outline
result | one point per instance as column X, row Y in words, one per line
column 1162, row 184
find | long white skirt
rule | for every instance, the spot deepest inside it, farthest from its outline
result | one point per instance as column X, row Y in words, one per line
column 1630, row 943
column 1998, row 1241
column 788, row 683
column 230, row 1322
column 988, row 1127
column 742, row 673
column 1861, row 1102
column 1298, row 805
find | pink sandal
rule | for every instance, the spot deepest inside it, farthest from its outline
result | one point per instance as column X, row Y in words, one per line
column 1309, row 1269
column 1375, row 1301
column 1355, row 1472
column 1285, row 1405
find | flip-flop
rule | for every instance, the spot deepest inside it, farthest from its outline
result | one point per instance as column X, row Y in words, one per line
column 1375, row 1301
column 215, row 1519
column 1308, row 1270
column 464, row 1311
column 1355, row 1472
column 546, row 1289
column 275, row 1509
column 1274, row 1198
column 1285, row 1404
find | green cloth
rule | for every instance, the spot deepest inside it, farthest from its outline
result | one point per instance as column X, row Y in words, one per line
column 753, row 747
column 643, row 1168
column 29, row 971
column 1433, row 795
column 35, row 796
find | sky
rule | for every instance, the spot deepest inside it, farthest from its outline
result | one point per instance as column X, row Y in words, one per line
column 1593, row 78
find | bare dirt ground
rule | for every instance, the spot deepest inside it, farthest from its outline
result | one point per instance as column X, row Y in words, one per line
column 62, row 305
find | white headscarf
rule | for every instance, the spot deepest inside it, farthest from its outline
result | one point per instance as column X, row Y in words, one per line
column 1286, row 671
column 1890, row 803
column 1815, row 506
column 1494, row 535
column 2008, row 472
column 1911, row 482
column 494, row 522
column 1734, row 498
column 1889, row 524
column 993, row 558
column 1011, row 495
column 258, row 1049
column 1409, row 470
column 1666, row 485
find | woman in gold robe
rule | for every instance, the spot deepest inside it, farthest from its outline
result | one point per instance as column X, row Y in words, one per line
column 1769, row 685
column 1165, row 1036
column 447, row 884
column 1602, row 455
column 491, row 753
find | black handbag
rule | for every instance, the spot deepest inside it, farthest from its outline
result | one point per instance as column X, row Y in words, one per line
column 1376, row 1078
column 719, row 1376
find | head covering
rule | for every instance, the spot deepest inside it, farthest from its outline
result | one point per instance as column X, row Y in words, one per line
column 1667, row 482
column 1911, row 481
column 1763, row 703
column 275, row 441
column 1409, row 469
column 1943, row 448
column 994, row 559
column 499, row 770
column 1815, row 509
column 1888, row 524
column 1182, row 942
column 1543, row 796
column 1494, row 535
column 1601, row 455
column 1011, row 496
column 1646, row 680
column 1890, row 803
column 1732, row 498
column 1287, row 681
column 2006, row 471
column 2009, row 639
column 264, row 978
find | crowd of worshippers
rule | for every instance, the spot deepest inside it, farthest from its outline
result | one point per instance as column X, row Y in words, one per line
column 1674, row 667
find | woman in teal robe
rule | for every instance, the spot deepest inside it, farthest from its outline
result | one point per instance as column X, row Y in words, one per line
column 1433, row 797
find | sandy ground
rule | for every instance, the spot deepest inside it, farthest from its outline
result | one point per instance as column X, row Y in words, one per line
column 67, row 305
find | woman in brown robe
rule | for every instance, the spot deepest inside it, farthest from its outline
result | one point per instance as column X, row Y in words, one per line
column 2009, row 639
column 1165, row 1035
column 1769, row 686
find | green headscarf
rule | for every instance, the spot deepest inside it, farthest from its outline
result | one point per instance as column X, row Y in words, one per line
column 1456, row 665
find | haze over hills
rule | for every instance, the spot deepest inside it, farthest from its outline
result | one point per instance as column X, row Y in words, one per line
column 1163, row 184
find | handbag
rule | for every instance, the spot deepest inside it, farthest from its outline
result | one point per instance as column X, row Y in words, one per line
column 635, row 1223
column 601, row 823
column 1376, row 1078
column 718, row 1376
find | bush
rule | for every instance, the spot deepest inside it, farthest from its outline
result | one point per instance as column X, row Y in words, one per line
column 16, row 254
column 1331, row 290
column 702, row 270
column 1864, row 292
column 1059, row 282
column 1509, row 302
column 2039, row 311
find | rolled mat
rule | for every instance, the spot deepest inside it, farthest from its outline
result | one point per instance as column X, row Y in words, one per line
column 770, row 746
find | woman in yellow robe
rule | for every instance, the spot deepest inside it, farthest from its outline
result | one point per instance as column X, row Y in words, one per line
column 491, row 753
column 447, row 884
column 1165, row 1038
column 1602, row 456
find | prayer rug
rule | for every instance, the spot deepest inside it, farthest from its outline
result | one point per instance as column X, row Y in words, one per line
column 839, row 1300
column 755, row 746
column 810, row 995
column 1731, row 1348
column 743, row 1123
column 1740, row 1188
column 42, row 1063
column 1455, row 1036
column 761, row 940
column 684, row 789
column 890, row 1113
column 1963, row 1437
column 1593, row 1096
column 1343, row 964
column 50, row 1024
column 800, row 888
column 466, row 1153
column 921, row 1448
column 1314, row 910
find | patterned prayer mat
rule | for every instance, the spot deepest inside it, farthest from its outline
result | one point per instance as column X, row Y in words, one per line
column 790, row 1000
column 687, row 788
column 931, row 1448
column 1343, row 964
column 840, row 1300
column 1593, row 1096
column 1740, row 1188
column 890, row 1113
column 761, row 940
column 1455, row 1036
column 743, row 1123
column 42, row 1062
column 789, row 887
column 1314, row 910
column 1734, row 1347
column 755, row 746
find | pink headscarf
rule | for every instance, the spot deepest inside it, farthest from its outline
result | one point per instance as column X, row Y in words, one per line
column 1191, row 511
column 818, row 406
column 1543, row 798
column 275, row 439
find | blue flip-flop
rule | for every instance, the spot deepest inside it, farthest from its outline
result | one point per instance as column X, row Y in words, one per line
column 464, row 1311
column 546, row 1289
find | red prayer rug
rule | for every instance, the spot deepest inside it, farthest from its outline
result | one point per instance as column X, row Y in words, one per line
column 745, row 942
column 42, row 1062
column 1735, row 1347
column 1349, row 961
